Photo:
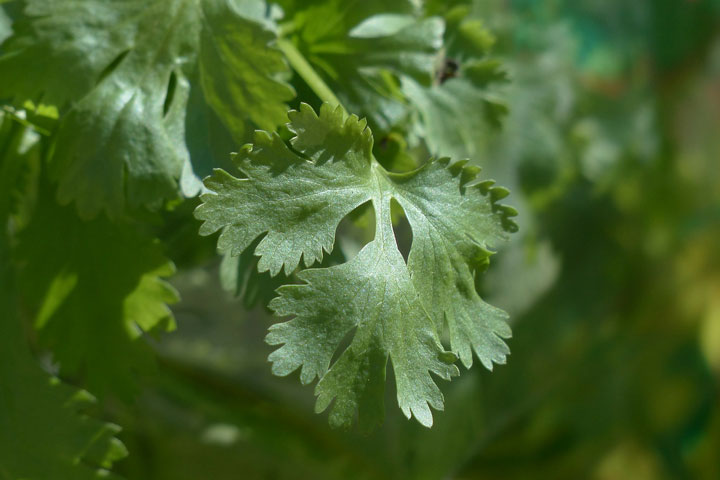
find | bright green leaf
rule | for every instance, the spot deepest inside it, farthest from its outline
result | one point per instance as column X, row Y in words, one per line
column 295, row 201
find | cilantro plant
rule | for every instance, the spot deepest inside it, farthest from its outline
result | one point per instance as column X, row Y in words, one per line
column 113, row 112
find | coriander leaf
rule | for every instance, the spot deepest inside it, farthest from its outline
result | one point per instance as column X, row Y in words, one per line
column 123, row 67
column 294, row 200
column 239, row 67
column 374, row 295
column 96, row 286
column 266, row 201
column 451, row 224
column 317, row 20
column 364, row 65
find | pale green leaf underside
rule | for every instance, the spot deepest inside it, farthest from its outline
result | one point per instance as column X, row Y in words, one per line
column 295, row 198
column 123, row 67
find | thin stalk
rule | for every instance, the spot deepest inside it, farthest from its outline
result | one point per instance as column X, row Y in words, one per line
column 307, row 72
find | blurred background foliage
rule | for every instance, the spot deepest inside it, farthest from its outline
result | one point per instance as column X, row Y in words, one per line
column 603, row 118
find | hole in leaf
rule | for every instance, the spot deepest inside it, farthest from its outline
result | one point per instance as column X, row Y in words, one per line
column 392, row 153
column 402, row 229
column 356, row 230
column 170, row 94
column 343, row 345
column 112, row 66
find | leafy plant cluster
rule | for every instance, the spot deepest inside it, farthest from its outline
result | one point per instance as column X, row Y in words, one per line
column 112, row 114
column 606, row 133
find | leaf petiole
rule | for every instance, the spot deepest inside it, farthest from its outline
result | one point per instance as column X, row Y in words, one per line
column 303, row 68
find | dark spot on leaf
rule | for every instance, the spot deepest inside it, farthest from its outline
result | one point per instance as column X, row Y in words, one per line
column 112, row 66
column 170, row 94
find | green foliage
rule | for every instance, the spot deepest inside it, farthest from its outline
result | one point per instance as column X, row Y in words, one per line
column 469, row 97
column 125, row 76
column 43, row 433
column 131, row 100
column 98, row 287
column 364, row 49
column 351, row 223
column 466, row 86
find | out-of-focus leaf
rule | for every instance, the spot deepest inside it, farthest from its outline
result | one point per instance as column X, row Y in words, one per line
column 96, row 287
column 123, row 68
column 458, row 115
column 319, row 20
column 239, row 66
column 43, row 433
column 5, row 26
column 362, row 48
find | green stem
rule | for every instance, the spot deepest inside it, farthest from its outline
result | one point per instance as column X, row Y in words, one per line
column 307, row 72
